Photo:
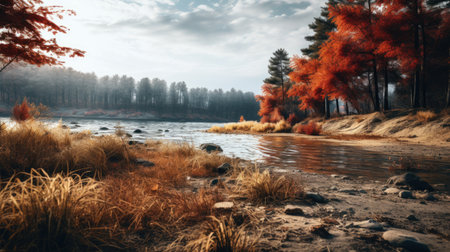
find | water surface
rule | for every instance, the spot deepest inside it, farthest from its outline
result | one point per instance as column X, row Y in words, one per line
column 283, row 152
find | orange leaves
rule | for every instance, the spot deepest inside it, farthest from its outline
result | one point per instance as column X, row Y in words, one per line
column 21, row 112
column 21, row 25
column 270, row 103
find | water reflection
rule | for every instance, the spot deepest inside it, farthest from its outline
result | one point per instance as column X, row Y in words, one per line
column 325, row 157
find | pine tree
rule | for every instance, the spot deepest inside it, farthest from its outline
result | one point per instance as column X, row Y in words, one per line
column 279, row 70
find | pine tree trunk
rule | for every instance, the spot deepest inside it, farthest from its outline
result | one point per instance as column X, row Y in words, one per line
column 386, row 87
column 347, row 112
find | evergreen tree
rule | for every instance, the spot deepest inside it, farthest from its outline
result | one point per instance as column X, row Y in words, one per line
column 279, row 69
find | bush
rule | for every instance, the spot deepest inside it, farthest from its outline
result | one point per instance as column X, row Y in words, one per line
column 425, row 116
column 312, row 128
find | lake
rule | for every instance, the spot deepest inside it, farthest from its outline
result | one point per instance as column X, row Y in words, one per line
column 280, row 152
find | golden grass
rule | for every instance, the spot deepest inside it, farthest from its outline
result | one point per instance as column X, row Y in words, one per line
column 50, row 213
column 252, row 126
column 263, row 187
column 222, row 234
column 32, row 144
column 426, row 116
column 89, row 195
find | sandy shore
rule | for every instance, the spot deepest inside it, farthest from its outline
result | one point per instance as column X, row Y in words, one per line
column 355, row 215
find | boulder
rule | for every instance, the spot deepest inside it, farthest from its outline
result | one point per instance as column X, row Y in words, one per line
column 104, row 128
column 406, row 240
column 224, row 168
column 73, row 122
column 137, row 131
column 411, row 181
column 210, row 147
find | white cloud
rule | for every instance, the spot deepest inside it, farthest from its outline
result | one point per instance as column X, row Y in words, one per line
column 205, row 43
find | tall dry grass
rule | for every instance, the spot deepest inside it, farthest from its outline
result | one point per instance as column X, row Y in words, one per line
column 263, row 187
column 32, row 144
column 53, row 213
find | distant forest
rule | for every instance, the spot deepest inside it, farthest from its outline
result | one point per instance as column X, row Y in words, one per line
column 65, row 87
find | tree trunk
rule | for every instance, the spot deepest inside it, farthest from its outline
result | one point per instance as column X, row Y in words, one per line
column 417, row 49
column 423, row 66
column 347, row 112
column 370, row 89
column 375, row 84
column 327, row 108
column 337, row 107
column 386, row 87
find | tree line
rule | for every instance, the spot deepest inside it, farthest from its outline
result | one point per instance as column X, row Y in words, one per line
column 65, row 87
column 365, row 55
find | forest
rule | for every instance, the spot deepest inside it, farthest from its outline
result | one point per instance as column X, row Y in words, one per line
column 66, row 87
column 364, row 56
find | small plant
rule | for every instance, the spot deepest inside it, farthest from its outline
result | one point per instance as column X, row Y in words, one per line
column 425, row 116
column 312, row 128
column 223, row 235
column 241, row 119
column 404, row 164
column 21, row 112
column 262, row 187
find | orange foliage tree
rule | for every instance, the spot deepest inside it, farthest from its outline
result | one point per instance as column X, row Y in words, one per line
column 271, row 103
column 22, row 23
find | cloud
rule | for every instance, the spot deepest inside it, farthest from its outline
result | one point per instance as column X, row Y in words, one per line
column 210, row 43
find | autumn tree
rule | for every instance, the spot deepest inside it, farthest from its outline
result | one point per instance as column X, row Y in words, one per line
column 22, row 24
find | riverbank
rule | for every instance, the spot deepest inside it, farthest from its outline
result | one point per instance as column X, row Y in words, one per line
column 165, row 196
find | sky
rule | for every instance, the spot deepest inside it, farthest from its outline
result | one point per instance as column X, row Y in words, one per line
column 213, row 44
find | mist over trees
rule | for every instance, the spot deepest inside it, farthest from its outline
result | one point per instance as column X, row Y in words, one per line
column 65, row 87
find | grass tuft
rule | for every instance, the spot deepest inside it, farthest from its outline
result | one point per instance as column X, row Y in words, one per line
column 426, row 116
column 47, row 213
column 262, row 187
column 222, row 234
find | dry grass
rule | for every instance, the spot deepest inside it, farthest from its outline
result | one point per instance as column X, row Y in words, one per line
column 52, row 213
column 263, row 187
column 222, row 234
column 252, row 126
column 32, row 144
column 311, row 128
column 426, row 116
column 90, row 196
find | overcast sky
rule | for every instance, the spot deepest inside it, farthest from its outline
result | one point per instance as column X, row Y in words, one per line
column 213, row 44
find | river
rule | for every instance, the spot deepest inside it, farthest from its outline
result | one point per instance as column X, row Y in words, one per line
column 280, row 152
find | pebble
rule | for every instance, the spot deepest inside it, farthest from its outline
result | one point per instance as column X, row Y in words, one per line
column 406, row 240
column 315, row 197
column 412, row 218
column 405, row 195
column 392, row 190
column 143, row 162
column 225, row 205
column 368, row 224
column 293, row 210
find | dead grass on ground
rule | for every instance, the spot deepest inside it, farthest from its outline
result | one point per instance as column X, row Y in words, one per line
column 252, row 126
column 426, row 116
column 263, row 187
column 53, row 213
